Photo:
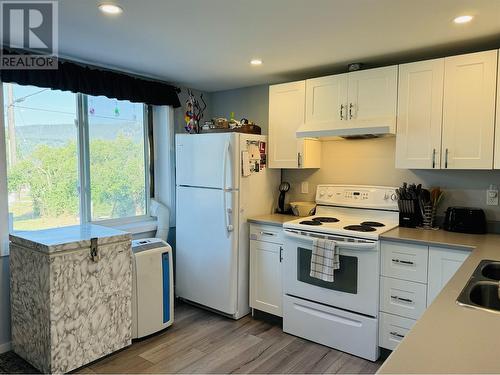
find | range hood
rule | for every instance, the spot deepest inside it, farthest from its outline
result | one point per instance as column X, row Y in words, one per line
column 350, row 130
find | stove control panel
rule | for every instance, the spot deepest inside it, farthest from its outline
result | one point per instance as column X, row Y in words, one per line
column 362, row 196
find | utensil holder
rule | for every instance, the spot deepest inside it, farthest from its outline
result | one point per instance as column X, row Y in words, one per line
column 429, row 216
column 409, row 213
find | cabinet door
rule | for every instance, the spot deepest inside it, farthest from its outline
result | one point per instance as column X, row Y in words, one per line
column 497, row 126
column 265, row 277
column 286, row 114
column 420, row 110
column 372, row 97
column 443, row 263
column 469, row 111
column 326, row 102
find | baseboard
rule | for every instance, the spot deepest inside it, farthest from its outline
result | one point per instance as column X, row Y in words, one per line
column 5, row 347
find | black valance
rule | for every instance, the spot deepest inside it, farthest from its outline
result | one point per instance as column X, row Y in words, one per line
column 94, row 81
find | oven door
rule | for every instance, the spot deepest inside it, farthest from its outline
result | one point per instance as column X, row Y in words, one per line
column 356, row 283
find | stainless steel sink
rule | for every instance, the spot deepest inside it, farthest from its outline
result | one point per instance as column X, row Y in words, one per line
column 483, row 288
column 491, row 271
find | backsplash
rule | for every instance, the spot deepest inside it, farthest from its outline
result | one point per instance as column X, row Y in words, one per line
column 371, row 162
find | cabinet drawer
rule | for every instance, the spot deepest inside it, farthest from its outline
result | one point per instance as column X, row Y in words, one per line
column 392, row 329
column 267, row 233
column 405, row 261
column 404, row 298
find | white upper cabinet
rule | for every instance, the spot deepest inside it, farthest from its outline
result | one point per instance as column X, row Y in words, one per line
column 286, row 115
column 497, row 126
column 372, row 97
column 326, row 102
column 469, row 111
column 420, row 109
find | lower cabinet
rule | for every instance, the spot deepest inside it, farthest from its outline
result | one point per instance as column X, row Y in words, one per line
column 411, row 277
column 443, row 263
column 393, row 329
column 265, row 270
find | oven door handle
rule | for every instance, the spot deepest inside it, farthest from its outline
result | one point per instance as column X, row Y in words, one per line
column 341, row 241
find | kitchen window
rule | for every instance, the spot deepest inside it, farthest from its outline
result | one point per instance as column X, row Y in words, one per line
column 74, row 158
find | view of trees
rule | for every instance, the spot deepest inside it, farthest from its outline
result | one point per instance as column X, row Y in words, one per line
column 43, row 157
column 51, row 177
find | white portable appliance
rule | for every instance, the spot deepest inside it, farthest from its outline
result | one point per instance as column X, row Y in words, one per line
column 152, row 287
column 342, row 314
column 221, row 180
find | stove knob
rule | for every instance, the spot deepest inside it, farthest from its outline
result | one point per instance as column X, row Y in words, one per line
column 330, row 195
column 386, row 196
column 321, row 193
column 393, row 197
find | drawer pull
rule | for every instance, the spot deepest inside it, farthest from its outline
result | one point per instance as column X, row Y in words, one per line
column 407, row 300
column 407, row 262
column 267, row 234
column 397, row 334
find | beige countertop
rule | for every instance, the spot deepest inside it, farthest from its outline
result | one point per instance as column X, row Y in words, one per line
column 272, row 219
column 449, row 338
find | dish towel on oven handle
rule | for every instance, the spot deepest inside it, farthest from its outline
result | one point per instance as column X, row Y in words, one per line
column 324, row 259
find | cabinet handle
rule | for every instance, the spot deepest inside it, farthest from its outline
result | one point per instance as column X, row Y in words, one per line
column 407, row 262
column 267, row 233
column 407, row 300
column 433, row 158
column 397, row 334
column 446, row 159
column 299, row 159
column 341, row 111
column 350, row 110
column 281, row 254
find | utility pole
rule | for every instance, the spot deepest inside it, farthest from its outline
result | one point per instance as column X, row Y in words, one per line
column 11, row 123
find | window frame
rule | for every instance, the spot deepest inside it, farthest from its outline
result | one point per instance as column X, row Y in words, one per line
column 83, row 160
column 84, row 168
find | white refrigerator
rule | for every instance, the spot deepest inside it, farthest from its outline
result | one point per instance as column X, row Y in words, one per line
column 222, row 179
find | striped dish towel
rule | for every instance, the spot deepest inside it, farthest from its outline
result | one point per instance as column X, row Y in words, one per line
column 324, row 259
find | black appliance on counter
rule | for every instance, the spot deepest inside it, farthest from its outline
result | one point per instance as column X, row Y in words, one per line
column 465, row 220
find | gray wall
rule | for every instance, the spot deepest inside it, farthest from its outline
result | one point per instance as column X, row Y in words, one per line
column 369, row 162
column 250, row 103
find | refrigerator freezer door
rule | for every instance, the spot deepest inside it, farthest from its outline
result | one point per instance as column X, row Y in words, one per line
column 207, row 160
column 207, row 248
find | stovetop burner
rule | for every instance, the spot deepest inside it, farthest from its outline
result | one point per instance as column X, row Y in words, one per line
column 322, row 219
column 360, row 228
column 372, row 224
column 310, row 222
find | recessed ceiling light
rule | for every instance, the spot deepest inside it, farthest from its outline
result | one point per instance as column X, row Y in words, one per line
column 109, row 8
column 256, row 62
column 463, row 19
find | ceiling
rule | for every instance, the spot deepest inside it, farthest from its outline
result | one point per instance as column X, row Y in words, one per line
column 207, row 44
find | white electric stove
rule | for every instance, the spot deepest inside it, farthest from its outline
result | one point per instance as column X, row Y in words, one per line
column 354, row 211
column 342, row 314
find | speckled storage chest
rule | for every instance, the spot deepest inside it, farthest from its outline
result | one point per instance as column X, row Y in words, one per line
column 67, row 309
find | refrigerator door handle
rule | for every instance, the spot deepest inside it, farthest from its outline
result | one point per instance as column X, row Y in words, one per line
column 227, row 211
column 224, row 165
column 227, row 214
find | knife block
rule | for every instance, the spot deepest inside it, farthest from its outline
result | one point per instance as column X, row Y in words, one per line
column 409, row 213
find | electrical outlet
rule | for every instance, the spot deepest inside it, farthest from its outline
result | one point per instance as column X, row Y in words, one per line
column 492, row 196
column 304, row 187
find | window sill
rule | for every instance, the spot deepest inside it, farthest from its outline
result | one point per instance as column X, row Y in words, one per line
column 134, row 227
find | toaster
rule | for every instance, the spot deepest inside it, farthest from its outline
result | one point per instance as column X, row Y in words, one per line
column 465, row 220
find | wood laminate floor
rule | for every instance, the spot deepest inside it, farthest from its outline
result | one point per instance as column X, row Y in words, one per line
column 200, row 341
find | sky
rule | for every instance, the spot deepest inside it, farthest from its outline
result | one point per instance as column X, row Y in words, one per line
column 35, row 105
